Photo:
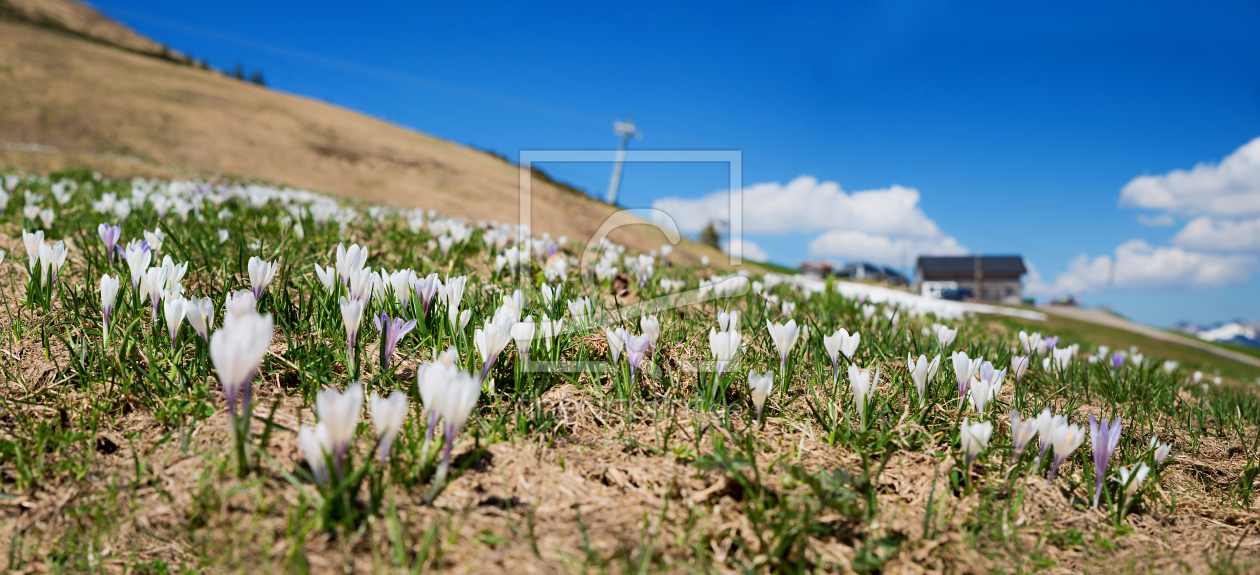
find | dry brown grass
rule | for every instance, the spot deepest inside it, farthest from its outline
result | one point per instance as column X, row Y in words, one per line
column 79, row 18
column 485, row 513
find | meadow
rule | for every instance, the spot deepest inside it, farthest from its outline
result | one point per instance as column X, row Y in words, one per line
column 219, row 376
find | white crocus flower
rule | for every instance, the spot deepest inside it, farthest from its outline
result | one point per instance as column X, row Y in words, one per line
column 728, row 321
column 760, row 385
column 944, row 335
column 454, row 403
column 239, row 304
column 863, row 386
column 260, row 274
column 492, row 338
column 51, row 258
column 151, row 284
column 784, row 336
column 1065, row 438
column 651, row 327
column 174, row 273
column 832, row 344
column 359, row 286
column 316, row 447
column 1022, row 433
column 339, row 412
column 922, row 372
column 155, row 239
column 427, row 288
column 138, row 259
column 453, row 294
column 1019, row 366
column 964, row 368
column 1062, row 358
column 514, row 303
column 401, row 282
column 867, row 311
column 551, row 329
column 550, row 296
column 975, row 438
column 327, row 277
column 388, row 414
column 109, row 294
column 33, row 241
column 237, row 352
column 1161, row 449
column 1131, row 478
column 352, row 317
column 1031, row 343
column 616, row 342
column 724, row 345
column 431, row 379
column 223, row 236
column 581, row 310
column 350, row 261
column 523, row 335
column 174, row 308
column 851, row 343
column 200, row 314
column 980, row 392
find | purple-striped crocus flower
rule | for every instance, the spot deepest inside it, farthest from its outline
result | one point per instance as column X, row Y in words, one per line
column 1105, row 438
column 109, row 236
column 1117, row 360
column 392, row 332
column 1051, row 341
column 426, row 288
column 636, row 348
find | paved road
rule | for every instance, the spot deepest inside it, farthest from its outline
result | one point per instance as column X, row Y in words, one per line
column 1101, row 317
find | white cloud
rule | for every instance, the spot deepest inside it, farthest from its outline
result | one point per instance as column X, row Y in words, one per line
column 856, row 245
column 1216, row 248
column 747, row 250
column 1138, row 265
column 1159, row 221
column 1204, row 233
column 807, row 205
column 1230, row 188
column 1034, row 283
column 871, row 225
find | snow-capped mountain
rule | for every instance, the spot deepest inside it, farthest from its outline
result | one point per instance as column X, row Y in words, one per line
column 1237, row 331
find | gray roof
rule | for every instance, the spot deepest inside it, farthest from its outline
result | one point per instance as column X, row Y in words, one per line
column 966, row 265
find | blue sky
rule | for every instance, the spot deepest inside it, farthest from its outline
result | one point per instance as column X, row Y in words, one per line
column 1018, row 125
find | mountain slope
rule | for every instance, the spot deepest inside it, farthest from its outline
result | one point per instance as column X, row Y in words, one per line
column 126, row 114
column 82, row 20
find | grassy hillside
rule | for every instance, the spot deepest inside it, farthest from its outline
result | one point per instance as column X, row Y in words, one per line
column 81, row 20
column 123, row 446
column 1090, row 335
column 126, row 114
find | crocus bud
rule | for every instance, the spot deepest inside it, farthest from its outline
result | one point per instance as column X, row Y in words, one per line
column 388, row 414
column 761, row 385
column 975, row 438
column 339, row 412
